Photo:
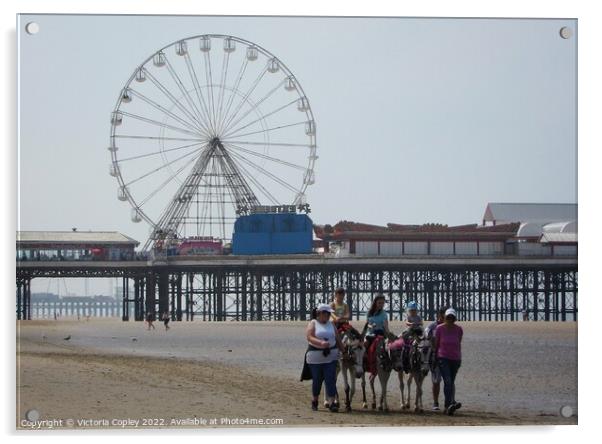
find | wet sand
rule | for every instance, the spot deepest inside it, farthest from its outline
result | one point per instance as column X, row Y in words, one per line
column 512, row 373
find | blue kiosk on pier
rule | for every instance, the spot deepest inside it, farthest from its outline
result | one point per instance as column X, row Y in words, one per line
column 273, row 230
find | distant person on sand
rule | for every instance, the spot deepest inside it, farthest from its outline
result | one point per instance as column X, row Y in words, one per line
column 341, row 313
column 435, row 371
column 321, row 356
column 448, row 340
column 165, row 318
column 150, row 318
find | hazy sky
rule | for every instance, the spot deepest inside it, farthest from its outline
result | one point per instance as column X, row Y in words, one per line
column 419, row 120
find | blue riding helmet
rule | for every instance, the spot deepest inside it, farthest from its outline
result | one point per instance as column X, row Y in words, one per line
column 412, row 306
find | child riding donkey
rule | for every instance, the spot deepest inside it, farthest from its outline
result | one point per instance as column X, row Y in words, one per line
column 413, row 331
column 341, row 314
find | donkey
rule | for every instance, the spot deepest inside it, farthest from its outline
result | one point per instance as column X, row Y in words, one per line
column 383, row 371
column 420, row 362
column 395, row 349
column 351, row 363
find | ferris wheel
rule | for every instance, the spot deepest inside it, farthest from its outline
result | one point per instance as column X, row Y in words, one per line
column 205, row 129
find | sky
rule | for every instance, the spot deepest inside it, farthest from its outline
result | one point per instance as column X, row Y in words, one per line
column 418, row 120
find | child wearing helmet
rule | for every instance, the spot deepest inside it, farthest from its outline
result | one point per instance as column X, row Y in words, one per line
column 413, row 322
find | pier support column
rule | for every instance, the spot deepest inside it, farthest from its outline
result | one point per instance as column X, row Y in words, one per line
column 171, row 289
column 24, row 299
column 163, row 293
column 243, row 296
column 189, row 296
column 218, row 288
column 179, row 297
column 150, row 294
column 125, row 301
column 19, row 299
column 535, row 295
column 139, row 298
column 259, row 297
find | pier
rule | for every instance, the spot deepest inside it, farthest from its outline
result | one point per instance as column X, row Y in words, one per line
column 236, row 288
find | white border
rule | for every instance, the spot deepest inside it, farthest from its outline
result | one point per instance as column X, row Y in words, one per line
column 589, row 161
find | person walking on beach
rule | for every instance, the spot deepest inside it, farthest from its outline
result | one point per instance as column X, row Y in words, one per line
column 341, row 313
column 150, row 318
column 448, row 340
column 165, row 319
column 435, row 372
column 322, row 356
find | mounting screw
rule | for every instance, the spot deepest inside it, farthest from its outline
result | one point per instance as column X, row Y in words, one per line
column 566, row 32
column 32, row 28
column 32, row 415
column 566, row 411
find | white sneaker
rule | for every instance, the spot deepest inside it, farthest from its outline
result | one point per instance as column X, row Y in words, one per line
column 436, row 407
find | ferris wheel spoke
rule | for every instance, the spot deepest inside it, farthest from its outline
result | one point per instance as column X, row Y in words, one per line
column 245, row 97
column 243, row 142
column 220, row 103
column 165, row 182
column 136, row 136
column 271, row 129
column 252, row 179
column 183, row 90
column 265, row 156
column 241, row 73
column 155, row 122
column 175, row 101
column 165, row 165
column 265, row 172
column 209, row 77
column 157, row 152
column 277, row 110
column 197, row 88
column 255, row 106
column 164, row 110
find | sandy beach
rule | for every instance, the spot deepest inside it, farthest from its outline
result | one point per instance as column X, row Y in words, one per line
column 113, row 374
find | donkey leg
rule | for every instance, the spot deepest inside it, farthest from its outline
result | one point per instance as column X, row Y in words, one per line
column 372, row 378
column 400, row 377
column 383, row 376
column 352, row 376
column 408, row 400
column 419, row 408
column 346, row 385
column 364, row 400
